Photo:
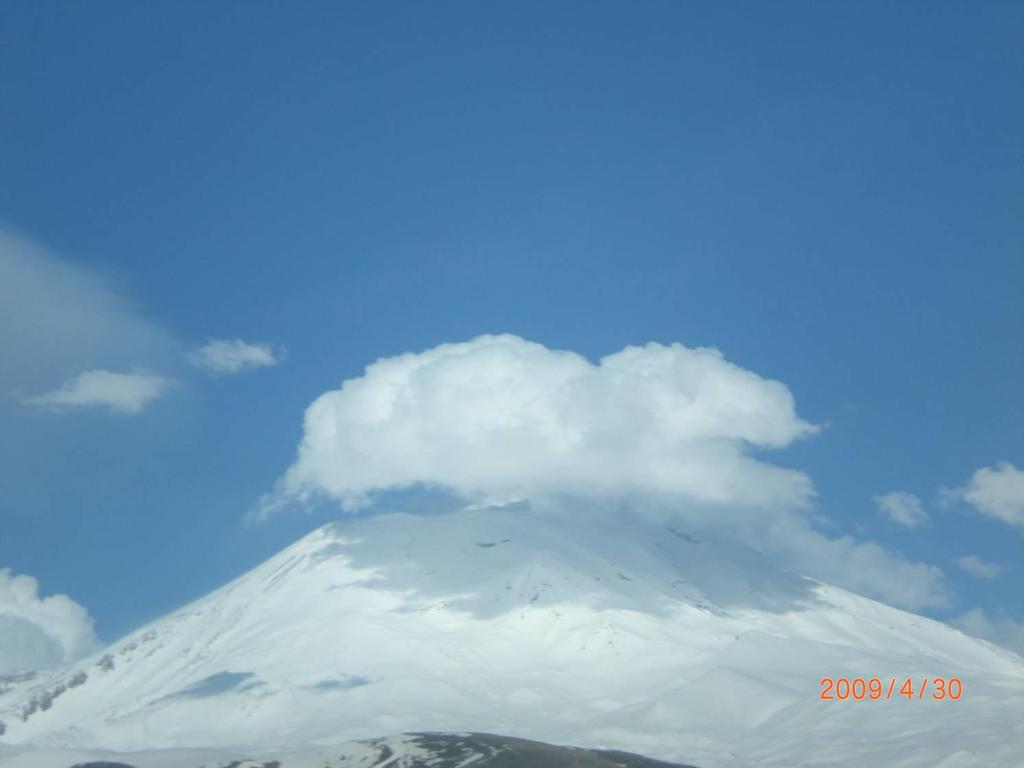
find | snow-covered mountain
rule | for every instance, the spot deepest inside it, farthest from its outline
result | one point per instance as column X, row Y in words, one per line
column 620, row 633
column 409, row 750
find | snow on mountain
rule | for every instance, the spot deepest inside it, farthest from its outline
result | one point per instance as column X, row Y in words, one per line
column 409, row 750
column 615, row 633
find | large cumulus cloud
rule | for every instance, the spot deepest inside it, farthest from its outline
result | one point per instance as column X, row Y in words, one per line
column 670, row 430
column 500, row 417
column 39, row 632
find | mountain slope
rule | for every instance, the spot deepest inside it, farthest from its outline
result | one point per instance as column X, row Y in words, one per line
column 411, row 750
column 619, row 634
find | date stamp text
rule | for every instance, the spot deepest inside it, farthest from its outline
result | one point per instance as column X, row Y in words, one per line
column 876, row 689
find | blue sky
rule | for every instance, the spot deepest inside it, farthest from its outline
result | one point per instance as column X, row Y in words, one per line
column 830, row 194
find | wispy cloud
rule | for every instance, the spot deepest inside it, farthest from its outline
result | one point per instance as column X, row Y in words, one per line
column 229, row 356
column 865, row 567
column 59, row 318
column 127, row 393
column 40, row 632
column 1000, row 629
column 903, row 509
column 978, row 567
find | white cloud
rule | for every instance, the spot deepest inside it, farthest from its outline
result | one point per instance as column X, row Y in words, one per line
column 864, row 567
column 902, row 508
column 126, row 393
column 40, row 633
column 228, row 356
column 500, row 417
column 58, row 318
column 668, row 428
column 1001, row 630
column 997, row 492
column 979, row 568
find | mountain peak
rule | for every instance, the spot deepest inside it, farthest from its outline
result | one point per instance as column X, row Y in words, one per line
column 616, row 634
